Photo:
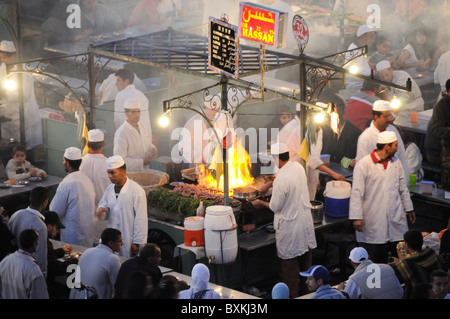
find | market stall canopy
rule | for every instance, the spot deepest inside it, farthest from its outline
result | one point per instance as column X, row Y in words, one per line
column 186, row 52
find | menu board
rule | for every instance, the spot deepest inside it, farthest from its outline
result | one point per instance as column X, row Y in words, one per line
column 223, row 48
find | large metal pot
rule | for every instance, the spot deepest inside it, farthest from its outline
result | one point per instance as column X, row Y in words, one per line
column 317, row 211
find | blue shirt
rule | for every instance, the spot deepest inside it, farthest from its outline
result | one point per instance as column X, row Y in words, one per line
column 326, row 292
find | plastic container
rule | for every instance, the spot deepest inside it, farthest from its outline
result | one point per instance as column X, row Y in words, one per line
column 221, row 244
column 337, row 198
column 427, row 187
column 193, row 231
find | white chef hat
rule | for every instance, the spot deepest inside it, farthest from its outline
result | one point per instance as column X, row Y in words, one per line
column 364, row 29
column 132, row 104
column 96, row 135
column 72, row 153
column 383, row 65
column 114, row 162
column 381, row 105
column 278, row 148
column 386, row 137
column 7, row 46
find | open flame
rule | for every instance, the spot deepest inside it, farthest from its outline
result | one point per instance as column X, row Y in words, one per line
column 239, row 166
column 334, row 121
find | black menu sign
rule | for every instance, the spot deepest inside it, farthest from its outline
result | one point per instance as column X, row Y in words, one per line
column 223, row 48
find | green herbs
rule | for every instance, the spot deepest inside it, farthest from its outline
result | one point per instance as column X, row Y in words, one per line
column 172, row 202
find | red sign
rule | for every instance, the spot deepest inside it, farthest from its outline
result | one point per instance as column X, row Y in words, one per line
column 259, row 24
column 301, row 31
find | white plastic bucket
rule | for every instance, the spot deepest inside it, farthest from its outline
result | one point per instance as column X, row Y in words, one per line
column 337, row 198
column 221, row 243
column 193, row 231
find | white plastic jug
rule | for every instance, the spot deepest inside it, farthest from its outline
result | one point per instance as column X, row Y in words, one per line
column 221, row 243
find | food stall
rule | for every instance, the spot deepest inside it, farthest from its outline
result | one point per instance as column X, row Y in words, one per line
column 183, row 57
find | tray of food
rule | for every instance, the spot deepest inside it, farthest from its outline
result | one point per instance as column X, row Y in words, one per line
column 189, row 174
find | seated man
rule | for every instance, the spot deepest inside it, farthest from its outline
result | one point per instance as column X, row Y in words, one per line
column 409, row 101
column 419, row 263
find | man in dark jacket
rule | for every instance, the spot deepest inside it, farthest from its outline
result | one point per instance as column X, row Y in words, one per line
column 440, row 127
column 419, row 263
column 56, row 267
column 147, row 261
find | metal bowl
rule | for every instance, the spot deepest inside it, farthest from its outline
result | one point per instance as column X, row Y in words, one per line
column 245, row 192
column 34, row 179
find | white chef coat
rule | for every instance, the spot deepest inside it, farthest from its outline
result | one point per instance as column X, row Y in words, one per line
column 26, row 219
column 411, row 101
column 132, row 145
column 380, row 197
column 195, row 140
column 32, row 117
column 130, row 92
column 414, row 157
column 362, row 62
column 109, row 90
column 367, row 142
column 292, row 212
column 127, row 213
column 94, row 167
column 74, row 201
column 290, row 135
column 98, row 268
column 21, row 278
column 442, row 71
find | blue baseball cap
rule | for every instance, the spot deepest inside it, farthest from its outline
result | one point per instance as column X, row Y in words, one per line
column 316, row 271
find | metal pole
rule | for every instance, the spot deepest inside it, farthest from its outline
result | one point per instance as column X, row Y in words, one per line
column 224, row 105
column 19, row 57
column 341, row 27
column 302, row 112
column 90, row 118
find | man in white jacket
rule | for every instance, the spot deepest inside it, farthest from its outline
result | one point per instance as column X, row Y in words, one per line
column 295, row 237
column 33, row 125
column 409, row 101
column 127, row 90
column 367, row 141
column 125, row 204
column 380, row 200
column 290, row 135
column 132, row 141
column 74, row 201
column 93, row 166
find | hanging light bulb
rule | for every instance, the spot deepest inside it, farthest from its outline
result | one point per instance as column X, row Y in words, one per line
column 353, row 69
column 395, row 102
column 10, row 85
column 319, row 117
column 163, row 121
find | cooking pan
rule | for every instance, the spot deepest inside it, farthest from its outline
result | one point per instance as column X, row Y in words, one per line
column 245, row 193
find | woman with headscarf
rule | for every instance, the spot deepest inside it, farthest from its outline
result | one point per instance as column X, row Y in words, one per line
column 199, row 287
